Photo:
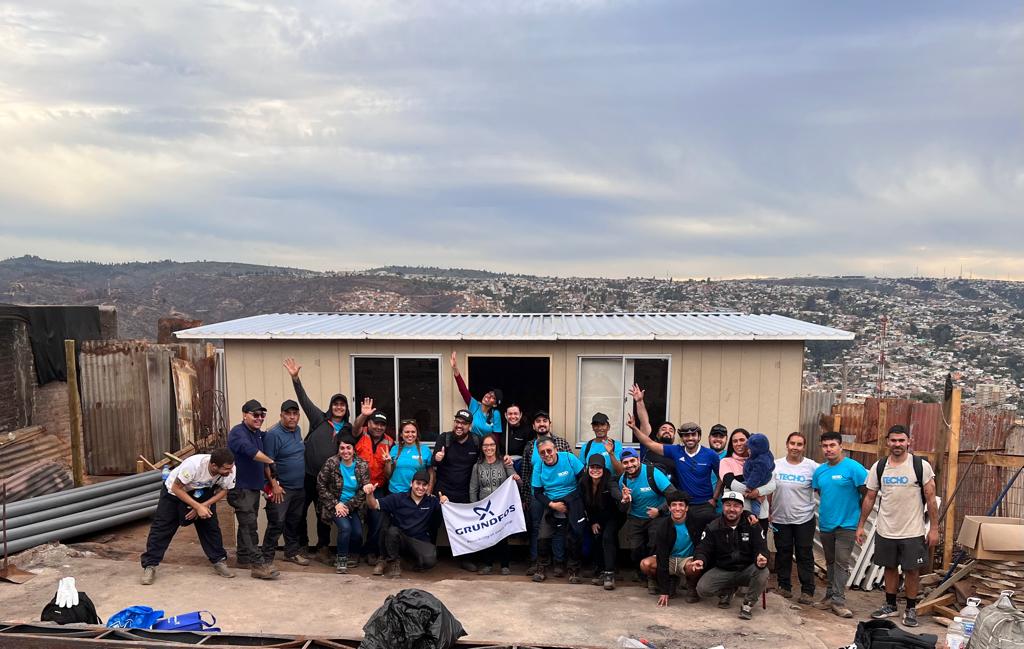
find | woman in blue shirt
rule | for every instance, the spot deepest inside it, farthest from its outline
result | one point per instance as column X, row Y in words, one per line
column 407, row 457
column 340, row 491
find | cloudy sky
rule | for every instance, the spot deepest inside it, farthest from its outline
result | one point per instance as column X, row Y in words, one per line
column 582, row 137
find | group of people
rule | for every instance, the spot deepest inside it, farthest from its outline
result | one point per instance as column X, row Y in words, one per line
column 695, row 517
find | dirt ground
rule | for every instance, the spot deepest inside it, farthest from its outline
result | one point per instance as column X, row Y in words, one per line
column 314, row 600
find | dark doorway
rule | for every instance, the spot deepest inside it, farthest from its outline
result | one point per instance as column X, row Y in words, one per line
column 522, row 380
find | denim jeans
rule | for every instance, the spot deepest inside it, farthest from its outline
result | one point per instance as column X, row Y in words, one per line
column 350, row 534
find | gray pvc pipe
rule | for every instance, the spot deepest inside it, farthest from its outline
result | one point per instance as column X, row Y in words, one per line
column 132, row 495
column 76, row 519
column 78, row 494
column 78, row 530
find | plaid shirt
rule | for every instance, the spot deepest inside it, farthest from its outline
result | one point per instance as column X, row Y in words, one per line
column 524, row 487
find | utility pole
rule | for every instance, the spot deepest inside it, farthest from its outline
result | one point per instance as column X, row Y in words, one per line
column 880, row 383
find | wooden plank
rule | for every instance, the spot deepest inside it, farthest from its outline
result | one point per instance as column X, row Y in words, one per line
column 952, row 471
column 926, row 608
column 75, row 408
column 860, row 446
column 964, row 571
column 999, row 459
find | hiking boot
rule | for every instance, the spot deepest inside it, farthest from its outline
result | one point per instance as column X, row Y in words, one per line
column 341, row 565
column 263, row 571
column 746, row 611
column 531, row 569
column 559, row 571
column 842, row 611
column 396, row 569
column 725, row 600
column 692, row 597
column 148, row 575
column 609, row 581
column 468, row 566
column 378, row 570
column 486, row 570
column 806, row 599
column 652, row 586
column 910, row 617
column 506, row 571
column 785, row 592
column 324, row 555
column 540, row 574
column 574, row 577
column 887, row 610
column 221, row 568
column 297, row 559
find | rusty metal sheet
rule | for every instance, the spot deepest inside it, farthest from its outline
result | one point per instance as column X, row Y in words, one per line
column 114, row 380
column 985, row 427
column 161, row 401
column 31, row 448
column 38, row 479
column 814, row 404
column 925, row 425
column 186, row 400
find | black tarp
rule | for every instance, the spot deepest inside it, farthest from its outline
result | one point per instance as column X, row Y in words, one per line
column 411, row 619
column 48, row 328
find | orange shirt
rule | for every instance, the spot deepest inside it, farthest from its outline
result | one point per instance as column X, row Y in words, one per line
column 364, row 449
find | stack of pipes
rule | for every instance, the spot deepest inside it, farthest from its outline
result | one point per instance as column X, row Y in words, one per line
column 83, row 510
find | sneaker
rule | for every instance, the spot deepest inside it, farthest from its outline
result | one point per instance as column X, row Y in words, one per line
column 887, row 610
column 378, row 570
column 652, row 586
column 746, row 611
column 574, row 577
column 468, row 566
column 148, row 575
column 598, row 580
column 396, row 569
column 559, row 571
column 725, row 600
column 910, row 617
column 221, row 568
column 806, row 599
column 842, row 611
column 297, row 559
column 263, row 571
column 341, row 565
column 609, row 581
column 785, row 592
column 353, row 562
column 486, row 570
column 531, row 569
column 540, row 574
column 506, row 571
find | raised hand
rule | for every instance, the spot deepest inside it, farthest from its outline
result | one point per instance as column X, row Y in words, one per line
column 454, row 362
column 369, row 488
column 443, row 498
column 609, row 446
column 439, row 456
column 636, row 393
column 292, row 367
column 366, row 408
column 385, row 453
column 631, row 423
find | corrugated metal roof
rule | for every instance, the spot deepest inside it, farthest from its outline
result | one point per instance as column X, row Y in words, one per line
column 516, row 326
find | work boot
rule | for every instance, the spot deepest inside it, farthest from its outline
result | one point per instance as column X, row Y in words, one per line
column 531, row 569
column 598, row 579
column 842, row 611
column 372, row 559
column 746, row 610
column 378, row 570
column 341, row 565
column 785, row 592
column 221, row 568
column 486, row 570
column 559, row 571
column 540, row 574
column 263, row 571
column 691, row 596
column 725, row 600
column 468, row 566
column 297, row 559
column 806, row 599
column 396, row 569
column 574, row 576
column 324, row 555
column 609, row 580
column 148, row 575
column 824, row 605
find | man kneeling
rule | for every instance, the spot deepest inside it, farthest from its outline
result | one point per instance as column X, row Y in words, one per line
column 673, row 551
column 410, row 517
column 190, row 495
column 735, row 553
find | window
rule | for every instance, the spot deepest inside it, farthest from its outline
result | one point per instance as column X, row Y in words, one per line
column 603, row 382
column 415, row 380
column 524, row 380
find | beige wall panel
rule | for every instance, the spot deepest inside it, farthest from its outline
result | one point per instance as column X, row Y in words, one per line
column 790, row 383
column 750, row 387
column 688, row 407
column 732, row 359
column 710, row 382
column 675, row 388
column 255, row 378
column 768, row 399
column 234, row 365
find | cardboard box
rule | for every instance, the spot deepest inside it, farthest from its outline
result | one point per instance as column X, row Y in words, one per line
column 992, row 537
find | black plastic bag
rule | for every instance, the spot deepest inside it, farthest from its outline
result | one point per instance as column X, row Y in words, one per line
column 883, row 634
column 83, row 612
column 411, row 619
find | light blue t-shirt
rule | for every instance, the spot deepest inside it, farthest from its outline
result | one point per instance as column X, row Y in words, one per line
column 597, row 448
column 840, row 496
column 559, row 479
column 683, row 546
column 643, row 496
column 481, row 426
column 412, row 460
column 348, row 478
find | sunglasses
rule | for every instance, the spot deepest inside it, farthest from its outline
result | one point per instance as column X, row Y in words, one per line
column 690, row 431
column 258, row 415
column 408, row 421
column 547, row 452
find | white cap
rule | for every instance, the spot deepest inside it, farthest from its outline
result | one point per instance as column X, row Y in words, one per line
column 732, row 495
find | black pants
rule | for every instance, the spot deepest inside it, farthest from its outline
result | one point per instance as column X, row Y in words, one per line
column 605, row 545
column 323, row 530
column 801, row 539
column 169, row 516
column 397, row 543
column 698, row 515
column 286, row 518
column 553, row 528
column 638, row 533
column 247, row 540
column 498, row 552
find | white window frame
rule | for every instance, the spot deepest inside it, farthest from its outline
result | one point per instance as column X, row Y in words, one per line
column 398, row 404
column 583, row 435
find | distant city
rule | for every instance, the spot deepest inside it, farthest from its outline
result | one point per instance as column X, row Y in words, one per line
column 910, row 332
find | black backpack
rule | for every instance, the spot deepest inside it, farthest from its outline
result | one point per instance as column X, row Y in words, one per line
column 82, row 613
column 918, row 473
column 883, row 634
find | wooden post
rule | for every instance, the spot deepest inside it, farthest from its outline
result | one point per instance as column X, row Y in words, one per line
column 75, row 412
column 952, row 469
column 837, row 423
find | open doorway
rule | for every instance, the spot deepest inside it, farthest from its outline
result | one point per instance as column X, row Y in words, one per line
column 525, row 380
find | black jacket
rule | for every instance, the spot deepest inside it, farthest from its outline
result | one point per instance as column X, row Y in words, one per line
column 663, row 533
column 728, row 548
column 321, row 441
column 603, row 505
column 518, row 438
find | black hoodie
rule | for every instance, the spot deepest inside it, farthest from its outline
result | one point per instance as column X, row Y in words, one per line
column 320, row 442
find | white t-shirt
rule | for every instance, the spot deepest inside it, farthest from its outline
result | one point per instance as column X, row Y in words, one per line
column 901, row 513
column 194, row 473
column 793, row 502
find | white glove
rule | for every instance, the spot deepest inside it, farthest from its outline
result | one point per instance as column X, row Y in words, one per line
column 72, row 590
column 67, row 593
column 61, row 594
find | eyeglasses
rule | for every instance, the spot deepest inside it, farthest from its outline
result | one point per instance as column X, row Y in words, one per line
column 547, row 452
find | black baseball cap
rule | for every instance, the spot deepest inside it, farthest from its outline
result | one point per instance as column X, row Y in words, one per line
column 718, row 430
column 541, row 413
column 379, row 416
column 599, row 418
column 596, row 460
column 464, row 415
column 422, row 475
column 252, row 405
column 289, row 405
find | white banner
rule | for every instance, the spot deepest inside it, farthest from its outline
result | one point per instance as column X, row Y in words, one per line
column 475, row 526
